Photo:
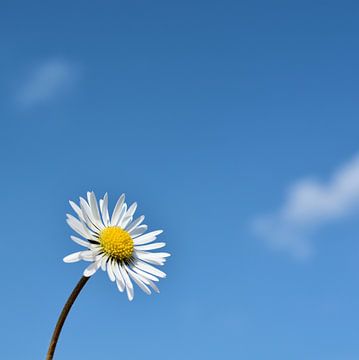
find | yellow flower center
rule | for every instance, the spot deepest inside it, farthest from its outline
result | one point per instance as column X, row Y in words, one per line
column 116, row 243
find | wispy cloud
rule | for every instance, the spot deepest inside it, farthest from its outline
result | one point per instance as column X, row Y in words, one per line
column 310, row 204
column 47, row 81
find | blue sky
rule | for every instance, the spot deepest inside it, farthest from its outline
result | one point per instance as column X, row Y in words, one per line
column 234, row 124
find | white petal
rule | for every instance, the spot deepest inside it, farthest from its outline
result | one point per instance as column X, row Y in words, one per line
column 131, row 210
column 77, row 210
column 117, row 210
column 137, row 279
column 119, row 279
column 151, row 246
column 147, row 238
column 120, row 285
column 148, row 258
column 129, row 286
column 82, row 226
column 127, row 218
column 135, row 223
column 91, row 269
column 104, row 210
column 81, row 242
column 74, row 257
column 158, row 255
column 104, row 262
column 97, row 249
column 94, row 225
column 85, row 208
column 94, row 208
column 149, row 268
column 77, row 226
column 125, row 222
column 89, row 255
column 144, row 274
column 121, row 215
column 138, row 230
column 110, row 273
column 144, row 279
column 116, row 271
column 154, row 286
column 153, row 262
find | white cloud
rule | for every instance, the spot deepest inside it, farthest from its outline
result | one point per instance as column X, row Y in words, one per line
column 310, row 204
column 47, row 81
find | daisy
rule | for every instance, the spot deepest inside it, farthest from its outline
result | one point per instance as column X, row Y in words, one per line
column 117, row 244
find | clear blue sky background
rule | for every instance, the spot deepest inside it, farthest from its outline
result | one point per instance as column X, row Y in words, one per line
column 203, row 112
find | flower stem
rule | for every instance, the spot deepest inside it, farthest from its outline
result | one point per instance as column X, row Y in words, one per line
column 65, row 311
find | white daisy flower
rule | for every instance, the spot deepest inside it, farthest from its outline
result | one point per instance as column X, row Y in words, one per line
column 116, row 244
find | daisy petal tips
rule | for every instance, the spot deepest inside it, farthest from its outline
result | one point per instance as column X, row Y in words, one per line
column 117, row 244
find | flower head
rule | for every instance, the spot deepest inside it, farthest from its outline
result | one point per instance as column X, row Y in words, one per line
column 116, row 244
